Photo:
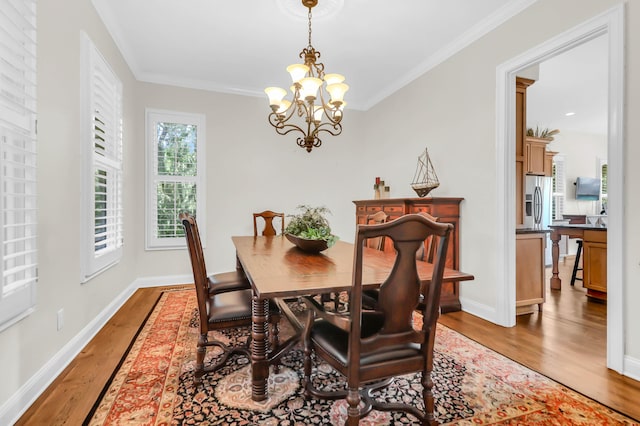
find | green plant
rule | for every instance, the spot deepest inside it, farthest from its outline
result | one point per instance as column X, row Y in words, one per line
column 311, row 224
column 542, row 134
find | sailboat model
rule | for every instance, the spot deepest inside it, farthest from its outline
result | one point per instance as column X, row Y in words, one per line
column 425, row 178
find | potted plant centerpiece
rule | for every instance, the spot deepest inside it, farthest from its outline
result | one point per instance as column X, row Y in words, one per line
column 310, row 230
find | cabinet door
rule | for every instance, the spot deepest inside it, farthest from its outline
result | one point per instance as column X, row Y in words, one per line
column 529, row 269
column 595, row 265
column 535, row 157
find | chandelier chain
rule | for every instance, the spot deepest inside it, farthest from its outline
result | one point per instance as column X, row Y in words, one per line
column 309, row 27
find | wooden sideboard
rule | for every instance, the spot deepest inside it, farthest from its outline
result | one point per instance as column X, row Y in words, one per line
column 445, row 209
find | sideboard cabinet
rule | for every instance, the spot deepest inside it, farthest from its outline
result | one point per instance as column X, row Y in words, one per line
column 446, row 209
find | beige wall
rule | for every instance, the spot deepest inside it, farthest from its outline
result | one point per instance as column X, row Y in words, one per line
column 450, row 110
column 31, row 343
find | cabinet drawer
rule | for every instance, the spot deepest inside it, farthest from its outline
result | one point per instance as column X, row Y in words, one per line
column 394, row 210
column 420, row 209
column 595, row 236
column 361, row 210
column 373, row 209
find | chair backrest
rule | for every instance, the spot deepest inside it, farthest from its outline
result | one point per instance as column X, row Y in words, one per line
column 196, row 254
column 269, row 230
column 400, row 293
column 377, row 218
column 428, row 250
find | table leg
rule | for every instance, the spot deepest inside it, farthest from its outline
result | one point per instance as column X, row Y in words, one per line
column 259, row 348
column 555, row 254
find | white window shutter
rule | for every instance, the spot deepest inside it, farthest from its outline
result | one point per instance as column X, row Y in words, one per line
column 18, row 160
column 102, row 225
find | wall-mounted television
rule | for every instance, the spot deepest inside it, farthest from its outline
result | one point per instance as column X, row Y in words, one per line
column 587, row 189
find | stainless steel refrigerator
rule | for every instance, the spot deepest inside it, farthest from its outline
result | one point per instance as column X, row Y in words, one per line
column 537, row 207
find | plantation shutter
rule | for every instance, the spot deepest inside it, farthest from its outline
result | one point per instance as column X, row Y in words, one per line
column 603, row 179
column 18, row 159
column 104, row 218
column 559, row 188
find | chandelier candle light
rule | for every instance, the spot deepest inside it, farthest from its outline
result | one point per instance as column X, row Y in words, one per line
column 309, row 84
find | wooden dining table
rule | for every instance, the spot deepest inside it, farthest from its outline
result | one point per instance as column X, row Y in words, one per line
column 277, row 269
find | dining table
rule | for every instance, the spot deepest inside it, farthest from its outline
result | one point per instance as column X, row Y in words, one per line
column 278, row 270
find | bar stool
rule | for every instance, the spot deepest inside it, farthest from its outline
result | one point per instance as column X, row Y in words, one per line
column 576, row 267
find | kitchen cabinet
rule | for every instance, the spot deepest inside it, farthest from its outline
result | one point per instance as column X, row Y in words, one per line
column 446, row 209
column 535, row 150
column 521, row 131
column 548, row 163
column 530, row 271
column 594, row 260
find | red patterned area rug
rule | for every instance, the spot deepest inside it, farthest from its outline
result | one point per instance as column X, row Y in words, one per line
column 473, row 385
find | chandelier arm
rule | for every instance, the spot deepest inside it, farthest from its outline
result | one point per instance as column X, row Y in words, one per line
column 332, row 129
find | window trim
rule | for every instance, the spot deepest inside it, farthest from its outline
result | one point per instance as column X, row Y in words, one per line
column 153, row 116
column 91, row 264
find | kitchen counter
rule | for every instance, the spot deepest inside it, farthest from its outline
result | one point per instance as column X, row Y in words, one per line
column 532, row 231
column 594, row 258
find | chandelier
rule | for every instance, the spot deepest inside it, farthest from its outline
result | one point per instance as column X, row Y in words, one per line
column 308, row 107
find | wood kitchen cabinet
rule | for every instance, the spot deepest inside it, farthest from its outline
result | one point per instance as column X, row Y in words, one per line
column 548, row 163
column 530, row 271
column 594, row 252
column 446, row 209
column 535, row 155
column 521, row 131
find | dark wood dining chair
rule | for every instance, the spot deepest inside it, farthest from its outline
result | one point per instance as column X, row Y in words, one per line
column 268, row 216
column 223, row 281
column 369, row 347
column 377, row 218
column 219, row 306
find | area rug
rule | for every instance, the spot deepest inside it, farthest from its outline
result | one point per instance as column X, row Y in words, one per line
column 473, row 385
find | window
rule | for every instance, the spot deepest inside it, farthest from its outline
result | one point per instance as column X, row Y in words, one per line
column 603, row 186
column 175, row 175
column 18, row 160
column 559, row 191
column 102, row 166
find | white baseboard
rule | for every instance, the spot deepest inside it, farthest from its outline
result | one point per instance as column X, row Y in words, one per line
column 11, row 410
column 15, row 407
column 479, row 310
column 632, row 367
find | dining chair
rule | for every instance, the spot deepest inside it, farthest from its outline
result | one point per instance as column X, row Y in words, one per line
column 377, row 217
column 223, row 281
column 371, row 347
column 268, row 216
column 219, row 307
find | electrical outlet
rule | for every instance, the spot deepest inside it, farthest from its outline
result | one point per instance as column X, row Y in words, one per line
column 60, row 319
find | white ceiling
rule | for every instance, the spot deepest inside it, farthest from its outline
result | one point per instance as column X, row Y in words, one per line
column 241, row 47
column 574, row 81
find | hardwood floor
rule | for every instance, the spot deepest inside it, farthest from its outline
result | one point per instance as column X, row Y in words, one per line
column 566, row 342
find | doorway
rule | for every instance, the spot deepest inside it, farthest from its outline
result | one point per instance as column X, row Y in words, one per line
column 609, row 24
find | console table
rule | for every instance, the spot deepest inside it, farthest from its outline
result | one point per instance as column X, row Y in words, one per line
column 446, row 209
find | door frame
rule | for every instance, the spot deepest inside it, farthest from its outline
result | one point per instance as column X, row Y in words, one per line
column 611, row 24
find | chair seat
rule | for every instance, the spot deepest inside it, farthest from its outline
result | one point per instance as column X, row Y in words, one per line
column 335, row 341
column 229, row 281
column 231, row 306
column 234, row 306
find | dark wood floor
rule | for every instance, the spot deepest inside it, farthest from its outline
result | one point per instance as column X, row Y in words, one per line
column 566, row 342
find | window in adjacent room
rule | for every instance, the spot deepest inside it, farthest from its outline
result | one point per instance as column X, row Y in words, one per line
column 558, row 185
column 18, row 161
column 603, row 186
column 102, row 214
column 175, row 175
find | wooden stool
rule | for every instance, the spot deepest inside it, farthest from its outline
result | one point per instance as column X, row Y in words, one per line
column 574, row 278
